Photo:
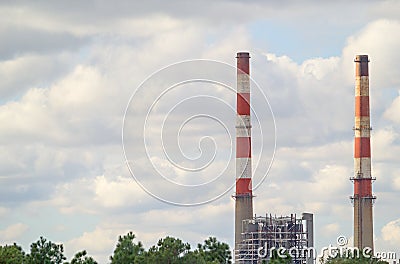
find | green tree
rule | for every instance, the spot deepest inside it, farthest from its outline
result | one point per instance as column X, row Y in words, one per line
column 173, row 251
column 81, row 258
column 45, row 252
column 11, row 254
column 169, row 250
column 215, row 251
column 126, row 251
column 195, row 257
column 277, row 259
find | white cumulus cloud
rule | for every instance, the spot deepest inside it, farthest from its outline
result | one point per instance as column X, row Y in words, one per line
column 13, row 232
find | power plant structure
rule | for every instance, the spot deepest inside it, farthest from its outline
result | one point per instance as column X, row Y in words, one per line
column 253, row 234
column 362, row 198
column 261, row 236
column 244, row 195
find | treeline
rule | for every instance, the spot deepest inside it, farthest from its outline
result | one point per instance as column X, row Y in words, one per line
column 168, row 250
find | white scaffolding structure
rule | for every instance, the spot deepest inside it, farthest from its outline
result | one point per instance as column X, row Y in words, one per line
column 261, row 235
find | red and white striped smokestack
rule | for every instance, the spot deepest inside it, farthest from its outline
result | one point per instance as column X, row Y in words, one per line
column 363, row 198
column 243, row 195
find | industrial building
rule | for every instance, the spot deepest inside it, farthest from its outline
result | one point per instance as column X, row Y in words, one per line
column 255, row 236
column 262, row 235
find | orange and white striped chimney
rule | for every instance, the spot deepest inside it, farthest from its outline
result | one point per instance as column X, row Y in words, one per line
column 363, row 198
column 243, row 196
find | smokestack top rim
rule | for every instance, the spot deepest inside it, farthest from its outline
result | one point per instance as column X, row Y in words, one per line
column 243, row 55
column 361, row 58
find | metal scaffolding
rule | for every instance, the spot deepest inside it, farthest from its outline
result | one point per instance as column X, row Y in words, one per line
column 261, row 235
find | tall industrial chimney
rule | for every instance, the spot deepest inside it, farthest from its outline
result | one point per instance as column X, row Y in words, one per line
column 363, row 198
column 243, row 196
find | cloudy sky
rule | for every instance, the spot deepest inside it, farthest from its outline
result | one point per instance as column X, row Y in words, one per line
column 75, row 76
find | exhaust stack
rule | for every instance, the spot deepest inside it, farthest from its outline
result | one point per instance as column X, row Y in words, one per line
column 243, row 195
column 363, row 198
